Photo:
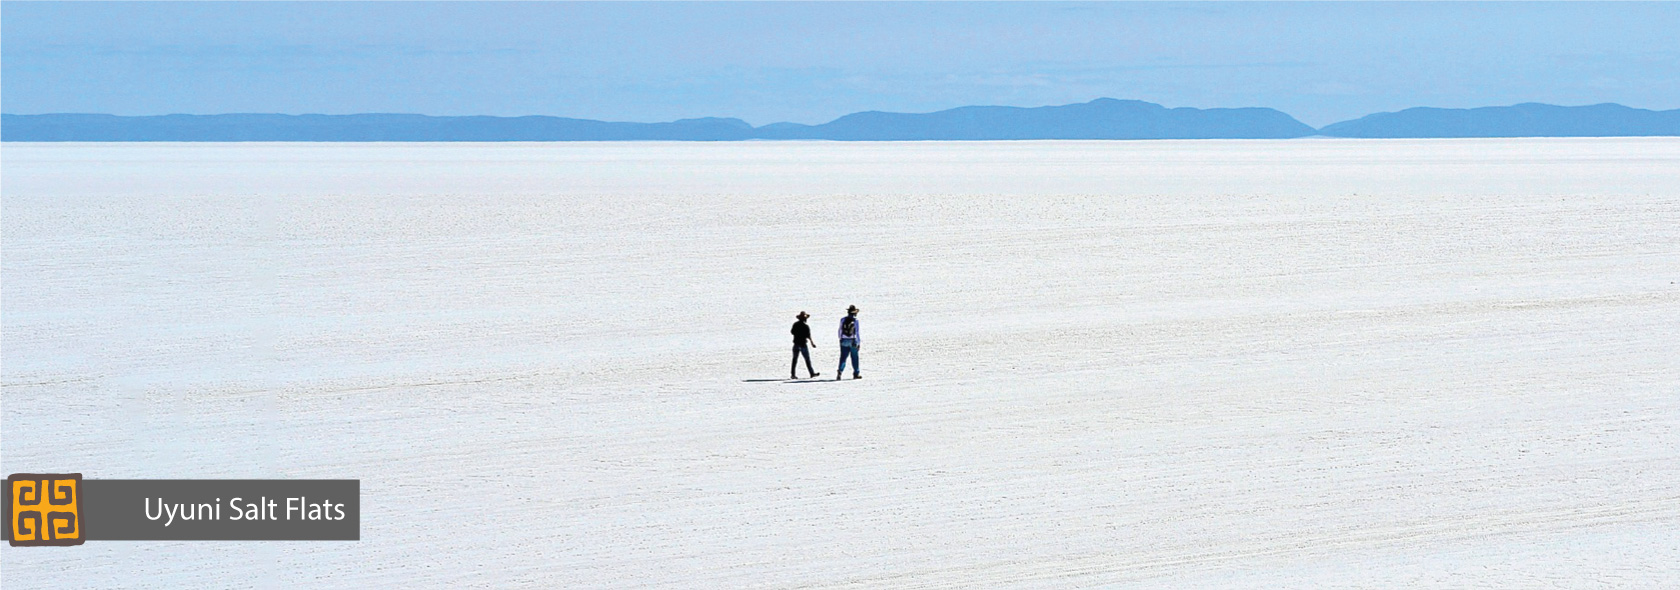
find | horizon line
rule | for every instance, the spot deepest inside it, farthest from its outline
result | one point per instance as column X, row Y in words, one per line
column 732, row 118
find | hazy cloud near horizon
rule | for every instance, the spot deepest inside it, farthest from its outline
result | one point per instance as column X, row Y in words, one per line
column 812, row 62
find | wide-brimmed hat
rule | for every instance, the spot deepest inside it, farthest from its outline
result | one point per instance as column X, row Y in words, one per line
column 802, row 315
column 851, row 309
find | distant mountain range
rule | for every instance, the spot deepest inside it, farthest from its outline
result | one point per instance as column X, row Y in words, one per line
column 1523, row 120
column 372, row 127
column 1104, row 118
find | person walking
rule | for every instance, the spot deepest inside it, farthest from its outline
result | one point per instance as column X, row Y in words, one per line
column 802, row 335
column 851, row 337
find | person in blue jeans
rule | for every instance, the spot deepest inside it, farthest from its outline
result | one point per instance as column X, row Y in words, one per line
column 851, row 337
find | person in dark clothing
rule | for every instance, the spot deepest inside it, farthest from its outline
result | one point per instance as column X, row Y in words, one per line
column 851, row 338
column 801, row 336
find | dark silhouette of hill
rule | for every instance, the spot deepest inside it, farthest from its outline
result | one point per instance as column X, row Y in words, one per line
column 1099, row 119
column 1104, row 118
column 1523, row 120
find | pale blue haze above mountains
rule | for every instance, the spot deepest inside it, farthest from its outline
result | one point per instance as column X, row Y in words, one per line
column 1104, row 118
column 889, row 71
column 814, row 62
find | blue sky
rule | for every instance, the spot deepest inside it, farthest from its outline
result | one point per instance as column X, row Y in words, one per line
column 811, row 62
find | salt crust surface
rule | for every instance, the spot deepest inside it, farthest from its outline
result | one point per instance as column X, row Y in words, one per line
column 1197, row 364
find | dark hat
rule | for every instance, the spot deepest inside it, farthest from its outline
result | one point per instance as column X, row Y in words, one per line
column 851, row 309
column 802, row 315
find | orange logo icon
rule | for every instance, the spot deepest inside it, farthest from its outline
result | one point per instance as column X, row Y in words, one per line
column 43, row 509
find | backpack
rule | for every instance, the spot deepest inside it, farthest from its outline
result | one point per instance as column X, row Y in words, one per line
column 848, row 327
